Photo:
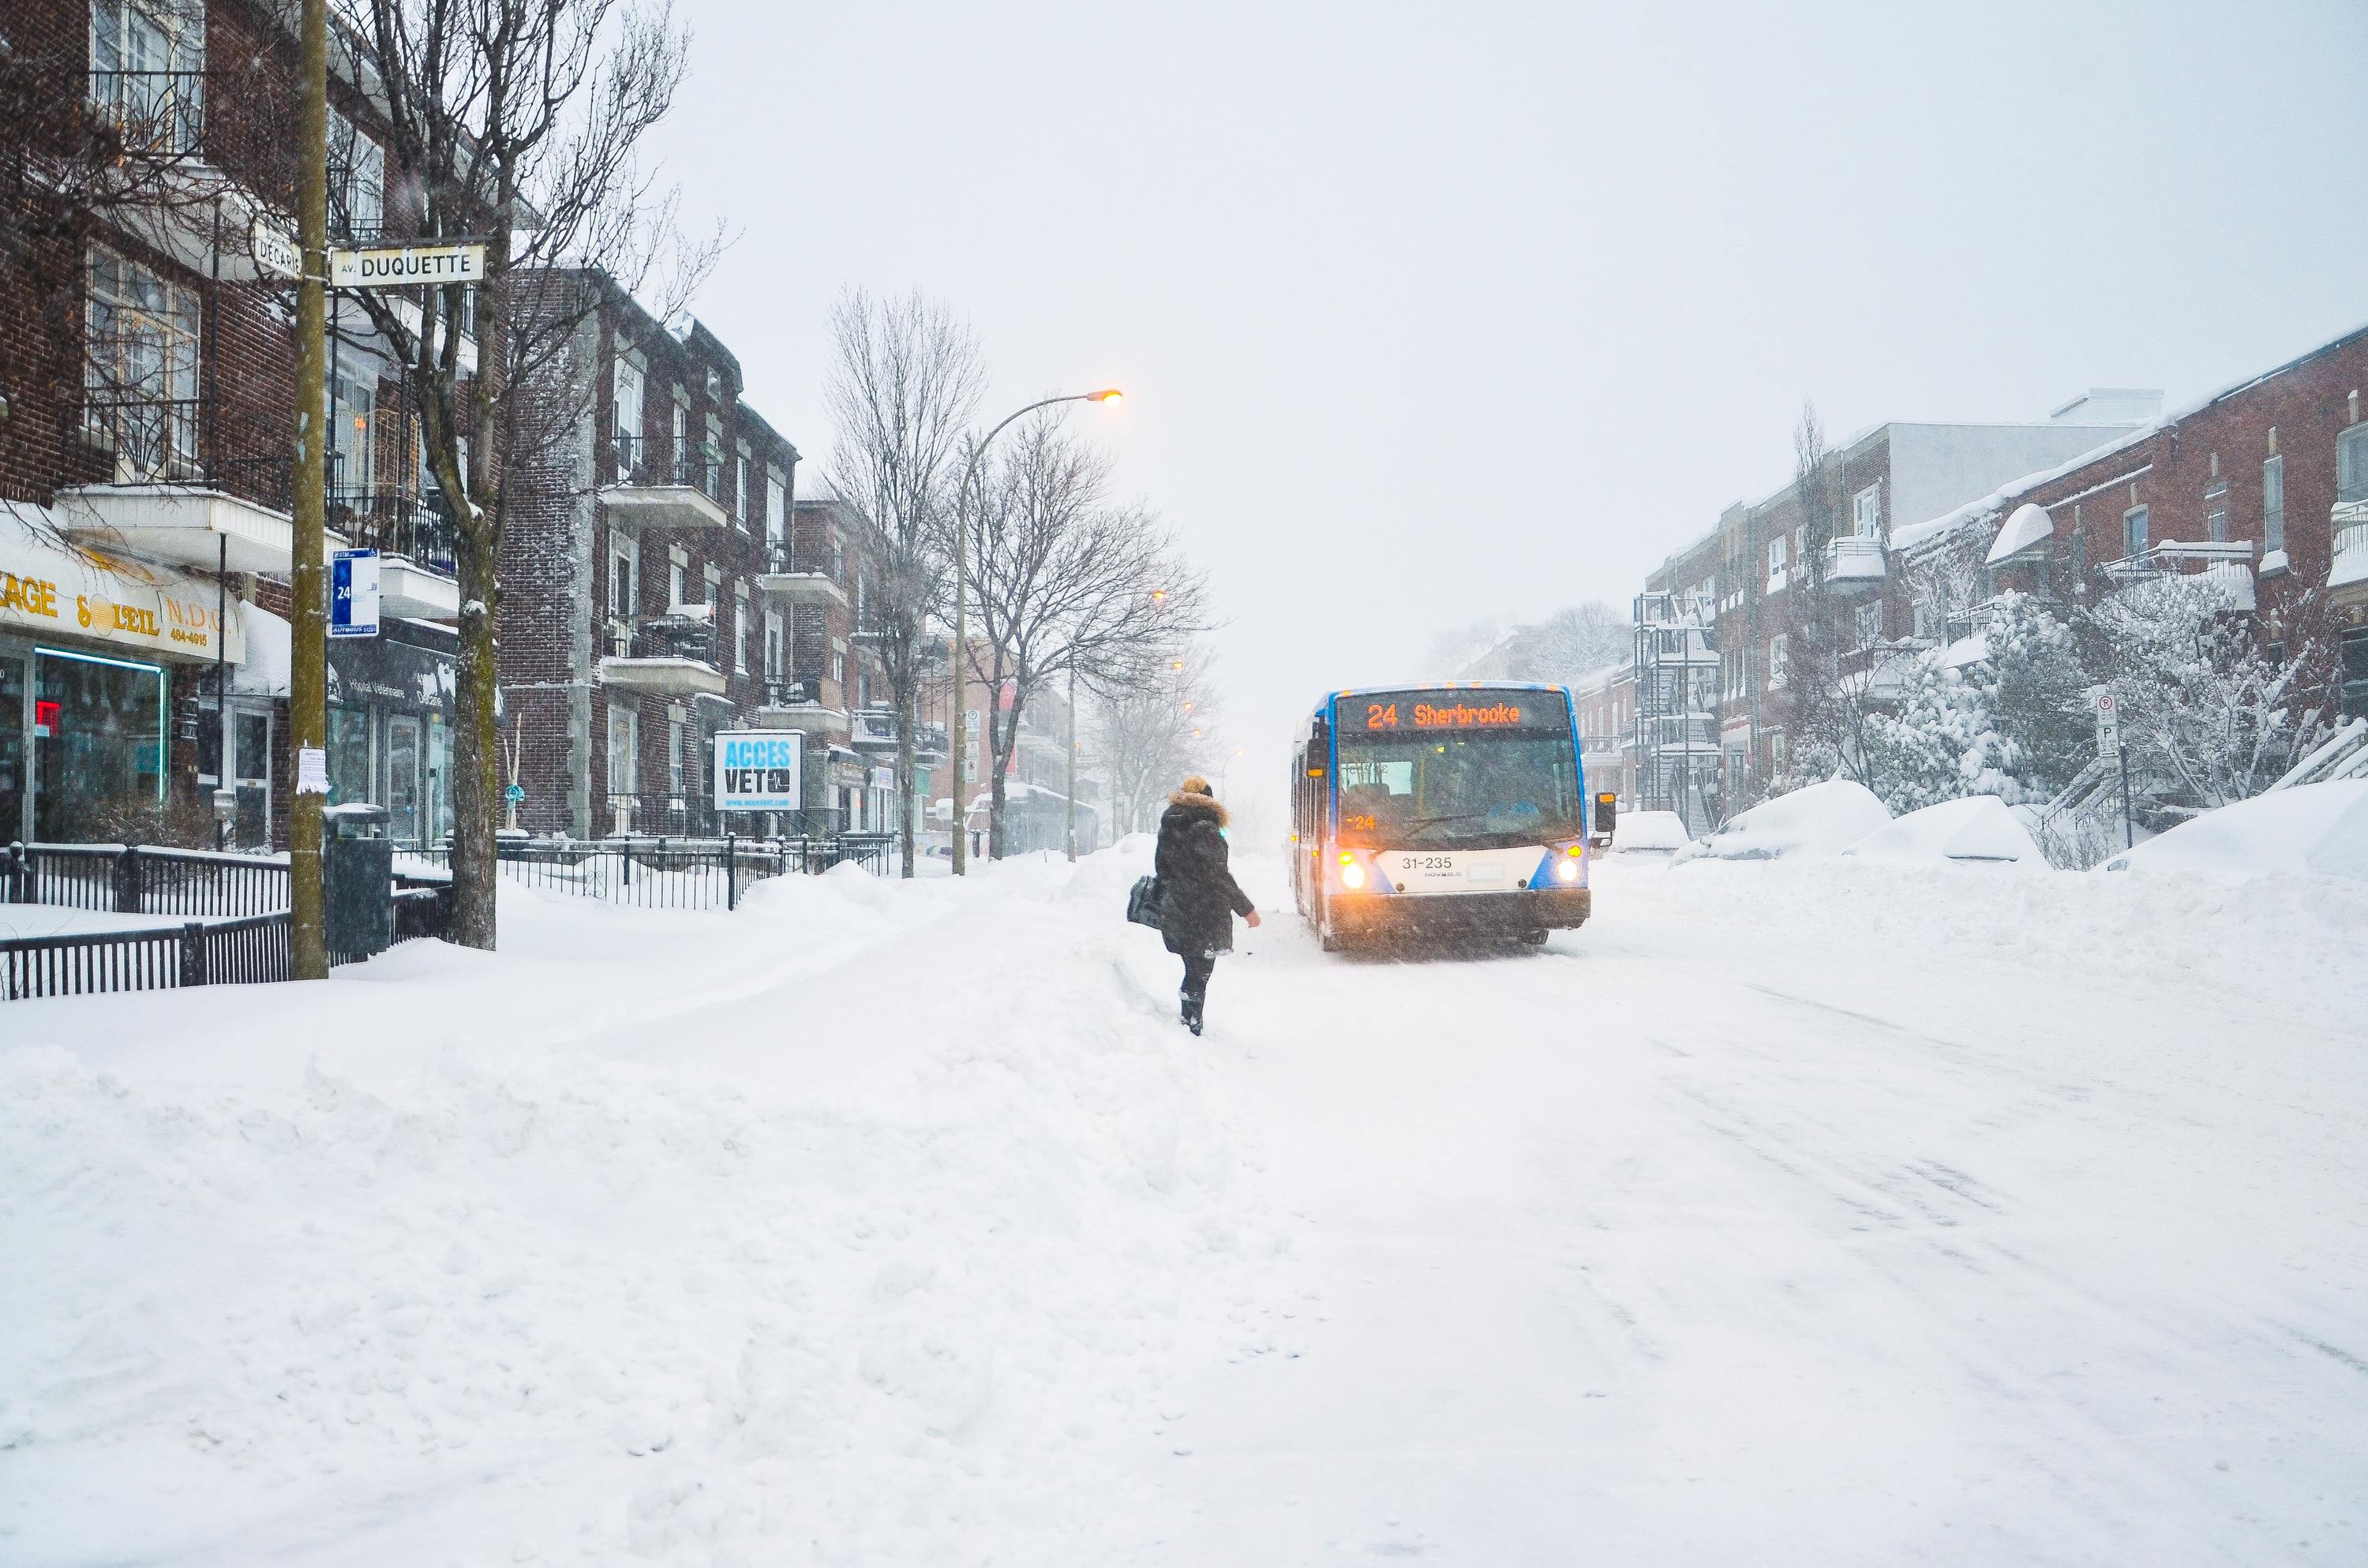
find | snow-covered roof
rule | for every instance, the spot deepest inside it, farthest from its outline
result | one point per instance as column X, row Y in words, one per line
column 2028, row 525
column 1972, row 512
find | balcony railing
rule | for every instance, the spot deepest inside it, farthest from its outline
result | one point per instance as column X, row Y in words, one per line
column 1854, row 560
column 131, row 439
column 655, row 460
column 393, row 520
column 156, row 113
column 874, row 728
column 667, row 637
column 2171, row 557
column 2349, row 564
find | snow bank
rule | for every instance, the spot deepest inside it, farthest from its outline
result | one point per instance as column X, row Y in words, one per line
column 1823, row 819
column 645, row 1239
column 1655, row 831
column 2311, row 830
column 1978, row 828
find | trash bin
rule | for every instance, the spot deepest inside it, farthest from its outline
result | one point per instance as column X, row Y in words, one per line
column 356, row 880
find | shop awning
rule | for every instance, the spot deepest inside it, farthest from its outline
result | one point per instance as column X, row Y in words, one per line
column 52, row 589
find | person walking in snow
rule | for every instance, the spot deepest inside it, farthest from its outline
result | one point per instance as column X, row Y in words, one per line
column 1198, row 895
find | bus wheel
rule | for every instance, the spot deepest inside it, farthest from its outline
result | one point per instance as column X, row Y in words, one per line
column 1533, row 938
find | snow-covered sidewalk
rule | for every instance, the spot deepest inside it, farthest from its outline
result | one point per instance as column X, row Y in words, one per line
column 1812, row 1214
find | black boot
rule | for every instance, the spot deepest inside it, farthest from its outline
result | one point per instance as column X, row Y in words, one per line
column 1192, row 1006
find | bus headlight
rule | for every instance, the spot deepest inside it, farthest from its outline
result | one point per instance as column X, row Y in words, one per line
column 1352, row 875
column 1565, row 870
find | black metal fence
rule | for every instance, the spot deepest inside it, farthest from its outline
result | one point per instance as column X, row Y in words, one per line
column 134, row 879
column 251, row 950
column 660, row 873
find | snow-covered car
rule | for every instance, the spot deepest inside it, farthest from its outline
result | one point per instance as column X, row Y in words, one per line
column 2311, row 830
column 1823, row 819
column 1650, row 833
column 1975, row 830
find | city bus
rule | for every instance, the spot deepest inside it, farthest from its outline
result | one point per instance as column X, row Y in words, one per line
column 1458, row 808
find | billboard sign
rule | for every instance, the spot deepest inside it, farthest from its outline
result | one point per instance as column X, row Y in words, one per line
column 759, row 770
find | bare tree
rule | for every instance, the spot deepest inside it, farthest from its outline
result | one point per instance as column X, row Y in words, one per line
column 1150, row 735
column 1457, row 646
column 1065, row 585
column 521, row 122
column 1830, row 707
column 905, row 381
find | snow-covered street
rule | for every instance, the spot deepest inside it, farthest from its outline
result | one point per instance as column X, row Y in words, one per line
column 1796, row 1212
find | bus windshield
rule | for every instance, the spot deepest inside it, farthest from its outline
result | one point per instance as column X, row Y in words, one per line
column 1444, row 791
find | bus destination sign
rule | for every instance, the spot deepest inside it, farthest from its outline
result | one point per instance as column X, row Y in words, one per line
column 1384, row 711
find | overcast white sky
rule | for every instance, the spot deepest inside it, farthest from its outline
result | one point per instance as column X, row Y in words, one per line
column 1430, row 312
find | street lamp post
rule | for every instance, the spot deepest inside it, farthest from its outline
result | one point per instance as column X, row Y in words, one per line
column 956, row 737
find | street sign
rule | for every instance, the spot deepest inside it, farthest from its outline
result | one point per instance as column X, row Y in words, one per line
column 273, row 249
column 353, row 594
column 404, row 266
column 759, row 770
column 2109, row 729
column 883, row 778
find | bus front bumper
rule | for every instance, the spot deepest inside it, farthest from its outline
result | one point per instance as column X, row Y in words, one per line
column 1462, row 913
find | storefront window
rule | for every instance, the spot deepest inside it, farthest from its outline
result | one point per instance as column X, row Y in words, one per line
column 16, row 746
column 349, row 755
column 99, row 745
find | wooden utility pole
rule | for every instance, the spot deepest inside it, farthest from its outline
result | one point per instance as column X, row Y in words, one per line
column 307, row 686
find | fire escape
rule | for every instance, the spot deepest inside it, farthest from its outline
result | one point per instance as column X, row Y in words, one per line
column 1675, row 740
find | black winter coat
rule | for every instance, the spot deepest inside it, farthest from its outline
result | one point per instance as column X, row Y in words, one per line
column 1198, row 895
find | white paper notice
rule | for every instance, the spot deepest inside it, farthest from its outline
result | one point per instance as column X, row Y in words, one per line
column 311, row 771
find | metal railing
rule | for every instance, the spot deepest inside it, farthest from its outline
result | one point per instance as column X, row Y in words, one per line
column 653, row 460
column 396, row 520
column 664, row 872
column 129, row 438
column 251, row 950
column 134, row 879
column 2173, row 556
column 1854, row 556
column 159, row 113
column 667, row 637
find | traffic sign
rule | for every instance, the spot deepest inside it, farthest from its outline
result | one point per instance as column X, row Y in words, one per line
column 353, row 594
column 2109, row 729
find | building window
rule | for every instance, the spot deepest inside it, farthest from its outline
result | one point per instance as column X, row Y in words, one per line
column 1775, row 563
column 675, row 588
column 624, row 771
column 140, row 374
column 2351, row 465
column 775, row 506
column 674, row 756
column 1778, row 646
column 626, row 418
column 1866, row 511
column 351, row 399
column 357, row 180
column 680, row 456
column 740, row 633
column 740, row 488
column 620, row 581
column 2133, row 532
column 147, row 72
column 1870, row 624
column 772, row 645
column 2273, row 504
column 2215, row 524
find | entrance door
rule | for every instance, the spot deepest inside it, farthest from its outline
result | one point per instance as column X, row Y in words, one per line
column 403, row 782
column 16, row 749
column 251, row 775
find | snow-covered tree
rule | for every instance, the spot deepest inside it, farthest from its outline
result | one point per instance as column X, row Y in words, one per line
column 1942, row 742
column 2205, row 715
column 2037, row 694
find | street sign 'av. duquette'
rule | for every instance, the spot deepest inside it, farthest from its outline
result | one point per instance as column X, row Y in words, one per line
column 407, row 266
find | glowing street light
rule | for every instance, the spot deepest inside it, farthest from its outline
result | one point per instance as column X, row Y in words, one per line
column 1105, row 396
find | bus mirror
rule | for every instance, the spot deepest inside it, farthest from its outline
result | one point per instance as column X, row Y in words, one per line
column 1606, row 811
column 1319, row 741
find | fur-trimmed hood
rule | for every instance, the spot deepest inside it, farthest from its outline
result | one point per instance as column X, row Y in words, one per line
column 1179, row 801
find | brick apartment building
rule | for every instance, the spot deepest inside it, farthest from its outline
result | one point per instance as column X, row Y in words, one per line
column 146, row 416
column 1719, row 616
column 667, row 581
column 2261, row 488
